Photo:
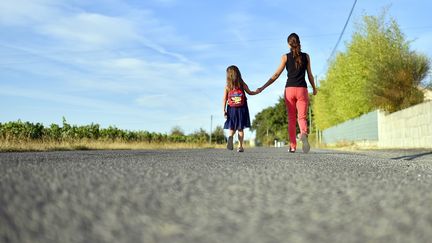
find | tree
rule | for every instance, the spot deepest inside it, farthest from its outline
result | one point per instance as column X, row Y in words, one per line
column 271, row 124
column 377, row 71
column 218, row 135
column 177, row 131
column 199, row 136
column 177, row 135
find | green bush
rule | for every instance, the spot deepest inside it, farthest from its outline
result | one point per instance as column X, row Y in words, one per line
column 377, row 71
column 26, row 131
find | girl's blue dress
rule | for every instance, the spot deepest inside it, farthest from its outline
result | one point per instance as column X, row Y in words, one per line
column 237, row 117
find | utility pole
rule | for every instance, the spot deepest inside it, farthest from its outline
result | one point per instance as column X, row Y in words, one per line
column 211, row 126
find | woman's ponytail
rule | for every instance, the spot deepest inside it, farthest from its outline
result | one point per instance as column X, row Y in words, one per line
column 294, row 42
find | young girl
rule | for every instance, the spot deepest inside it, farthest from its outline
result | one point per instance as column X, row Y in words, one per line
column 235, row 107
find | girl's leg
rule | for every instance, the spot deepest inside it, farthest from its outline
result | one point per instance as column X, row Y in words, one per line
column 290, row 103
column 240, row 138
column 231, row 132
column 302, row 109
column 230, row 143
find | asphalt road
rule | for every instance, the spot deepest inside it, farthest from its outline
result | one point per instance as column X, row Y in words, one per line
column 210, row 195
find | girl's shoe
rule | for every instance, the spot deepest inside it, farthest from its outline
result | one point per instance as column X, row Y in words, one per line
column 305, row 142
column 230, row 144
column 291, row 150
column 240, row 150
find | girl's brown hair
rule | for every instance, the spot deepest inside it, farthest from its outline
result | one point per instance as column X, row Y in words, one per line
column 234, row 78
column 294, row 42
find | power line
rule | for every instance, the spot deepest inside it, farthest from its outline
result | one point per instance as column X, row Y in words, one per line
column 341, row 34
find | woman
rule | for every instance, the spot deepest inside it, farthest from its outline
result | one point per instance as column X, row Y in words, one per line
column 296, row 93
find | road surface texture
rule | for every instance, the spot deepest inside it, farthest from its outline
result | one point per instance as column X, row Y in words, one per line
column 215, row 195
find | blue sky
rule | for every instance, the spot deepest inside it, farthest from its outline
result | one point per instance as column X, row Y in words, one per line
column 154, row 64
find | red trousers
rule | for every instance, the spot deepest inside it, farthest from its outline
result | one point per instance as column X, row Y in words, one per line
column 296, row 101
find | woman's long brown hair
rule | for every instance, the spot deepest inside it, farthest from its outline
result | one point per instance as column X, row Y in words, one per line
column 234, row 78
column 294, row 41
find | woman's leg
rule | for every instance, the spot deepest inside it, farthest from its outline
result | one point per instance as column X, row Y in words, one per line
column 302, row 109
column 290, row 103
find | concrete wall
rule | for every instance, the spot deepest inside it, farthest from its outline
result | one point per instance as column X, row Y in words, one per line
column 408, row 128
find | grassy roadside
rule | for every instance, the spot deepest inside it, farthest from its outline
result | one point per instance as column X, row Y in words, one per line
column 37, row 145
column 28, row 146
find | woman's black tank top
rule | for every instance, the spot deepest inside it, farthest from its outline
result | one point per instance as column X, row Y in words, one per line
column 296, row 77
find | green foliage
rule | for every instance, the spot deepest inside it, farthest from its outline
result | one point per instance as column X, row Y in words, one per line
column 177, row 135
column 26, row 131
column 402, row 79
column 378, row 70
column 199, row 136
column 218, row 136
column 21, row 130
column 271, row 124
column 54, row 132
column 112, row 133
column 177, row 131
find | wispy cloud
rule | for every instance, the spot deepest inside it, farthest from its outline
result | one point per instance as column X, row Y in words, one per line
column 165, row 3
column 150, row 75
column 91, row 28
column 83, row 102
column 94, row 39
column 104, row 85
column 24, row 12
column 239, row 26
column 155, row 101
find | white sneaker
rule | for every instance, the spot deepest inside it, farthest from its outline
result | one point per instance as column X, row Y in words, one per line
column 230, row 144
column 305, row 143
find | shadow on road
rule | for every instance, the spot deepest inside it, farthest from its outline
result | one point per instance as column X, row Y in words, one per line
column 413, row 156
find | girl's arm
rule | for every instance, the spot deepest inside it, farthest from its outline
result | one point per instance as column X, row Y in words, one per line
column 246, row 88
column 224, row 100
column 276, row 75
column 310, row 76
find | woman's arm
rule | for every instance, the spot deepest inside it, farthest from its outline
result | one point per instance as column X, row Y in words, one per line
column 224, row 101
column 276, row 75
column 310, row 75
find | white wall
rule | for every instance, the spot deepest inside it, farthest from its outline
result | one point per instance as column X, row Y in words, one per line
column 408, row 128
